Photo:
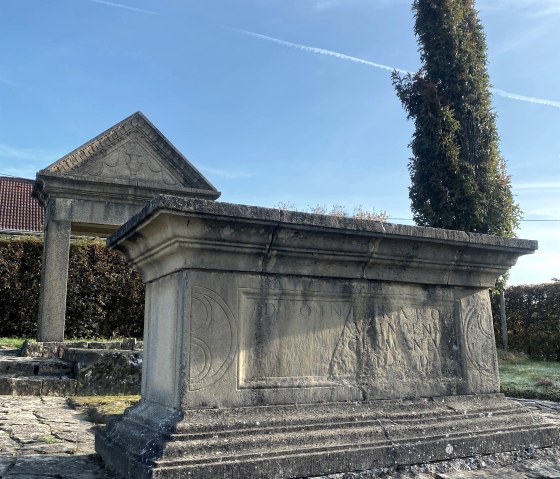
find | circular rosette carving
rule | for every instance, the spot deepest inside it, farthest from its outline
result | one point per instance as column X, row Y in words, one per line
column 213, row 338
column 479, row 335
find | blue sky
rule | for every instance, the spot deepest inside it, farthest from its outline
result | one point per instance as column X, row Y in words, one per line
column 266, row 119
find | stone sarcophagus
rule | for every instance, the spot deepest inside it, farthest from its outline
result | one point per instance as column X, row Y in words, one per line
column 281, row 344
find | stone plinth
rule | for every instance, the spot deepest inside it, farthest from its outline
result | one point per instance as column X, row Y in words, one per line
column 281, row 344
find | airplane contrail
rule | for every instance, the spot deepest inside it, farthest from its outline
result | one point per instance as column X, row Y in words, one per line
column 126, row 7
column 530, row 99
column 322, row 51
column 342, row 56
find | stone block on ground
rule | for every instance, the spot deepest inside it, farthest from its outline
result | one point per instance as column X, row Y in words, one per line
column 105, row 371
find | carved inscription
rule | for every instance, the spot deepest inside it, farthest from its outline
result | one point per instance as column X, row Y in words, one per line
column 406, row 342
column 291, row 340
column 386, row 343
column 288, row 340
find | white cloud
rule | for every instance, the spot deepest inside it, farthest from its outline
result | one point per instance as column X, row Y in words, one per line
column 517, row 39
column 24, row 162
column 26, row 171
column 325, row 4
column 539, row 267
column 27, row 154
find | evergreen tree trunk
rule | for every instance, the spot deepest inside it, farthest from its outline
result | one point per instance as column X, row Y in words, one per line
column 458, row 176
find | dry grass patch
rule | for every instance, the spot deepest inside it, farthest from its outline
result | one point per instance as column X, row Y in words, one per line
column 102, row 409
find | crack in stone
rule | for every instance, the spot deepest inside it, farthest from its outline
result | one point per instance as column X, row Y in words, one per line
column 373, row 249
column 55, row 434
column 393, row 453
column 273, row 236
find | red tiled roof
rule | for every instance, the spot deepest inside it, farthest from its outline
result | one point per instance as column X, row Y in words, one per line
column 18, row 210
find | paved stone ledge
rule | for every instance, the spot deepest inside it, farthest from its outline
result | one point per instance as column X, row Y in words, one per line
column 43, row 438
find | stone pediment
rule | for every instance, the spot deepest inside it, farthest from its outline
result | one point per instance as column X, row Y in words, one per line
column 131, row 161
column 131, row 153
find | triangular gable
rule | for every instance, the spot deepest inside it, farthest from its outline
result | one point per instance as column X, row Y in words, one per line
column 133, row 152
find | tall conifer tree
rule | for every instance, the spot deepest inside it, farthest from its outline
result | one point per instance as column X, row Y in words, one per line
column 458, row 175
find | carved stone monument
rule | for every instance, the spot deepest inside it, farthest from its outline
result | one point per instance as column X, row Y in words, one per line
column 94, row 190
column 281, row 344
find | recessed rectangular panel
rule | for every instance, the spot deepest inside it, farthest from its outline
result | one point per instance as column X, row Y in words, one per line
column 289, row 338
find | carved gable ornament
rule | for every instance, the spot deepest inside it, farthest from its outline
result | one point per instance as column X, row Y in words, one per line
column 133, row 153
column 131, row 161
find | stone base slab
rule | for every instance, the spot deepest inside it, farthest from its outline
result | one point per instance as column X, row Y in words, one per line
column 314, row 439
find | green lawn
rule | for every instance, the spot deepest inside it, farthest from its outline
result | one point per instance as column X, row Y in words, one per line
column 11, row 343
column 524, row 378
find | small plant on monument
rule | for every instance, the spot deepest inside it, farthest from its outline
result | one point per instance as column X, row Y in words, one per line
column 338, row 211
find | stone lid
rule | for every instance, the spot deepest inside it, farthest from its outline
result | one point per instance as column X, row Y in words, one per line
column 236, row 237
column 130, row 162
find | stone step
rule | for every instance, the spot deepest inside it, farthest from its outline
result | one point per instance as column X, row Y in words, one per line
column 316, row 437
column 37, row 386
column 271, row 441
column 57, row 349
column 24, row 366
column 83, row 371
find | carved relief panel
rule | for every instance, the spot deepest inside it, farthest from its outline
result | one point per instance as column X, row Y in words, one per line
column 131, row 161
column 378, row 344
column 213, row 338
column 291, row 339
column 479, row 346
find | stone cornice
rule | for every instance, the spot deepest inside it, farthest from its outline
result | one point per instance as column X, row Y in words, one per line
column 175, row 233
column 66, row 186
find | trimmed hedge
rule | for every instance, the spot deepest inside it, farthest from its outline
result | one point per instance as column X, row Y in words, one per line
column 106, row 299
column 533, row 320
column 105, row 296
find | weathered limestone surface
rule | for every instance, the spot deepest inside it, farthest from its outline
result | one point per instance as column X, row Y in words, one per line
column 105, row 371
column 42, row 438
column 75, row 368
column 95, row 189
column 281, row 344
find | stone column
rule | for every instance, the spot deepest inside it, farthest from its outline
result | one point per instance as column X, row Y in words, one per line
column 54, row 278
